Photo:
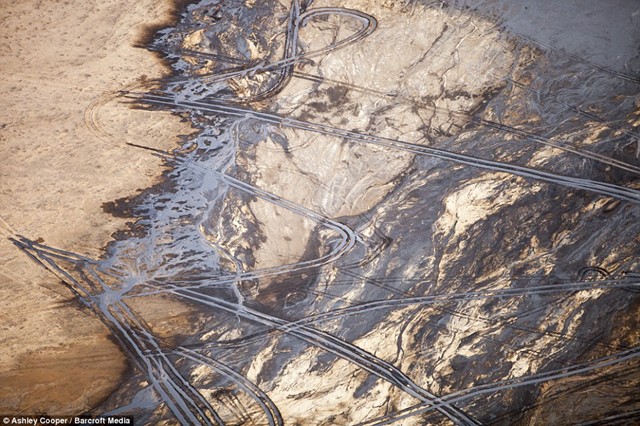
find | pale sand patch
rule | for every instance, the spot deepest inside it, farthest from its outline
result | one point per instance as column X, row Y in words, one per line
column 62, row 155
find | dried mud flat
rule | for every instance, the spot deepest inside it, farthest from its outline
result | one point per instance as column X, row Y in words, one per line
column 394, row 213
column 61, row 64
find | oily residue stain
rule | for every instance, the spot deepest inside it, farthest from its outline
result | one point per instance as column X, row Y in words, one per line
column 379, row 221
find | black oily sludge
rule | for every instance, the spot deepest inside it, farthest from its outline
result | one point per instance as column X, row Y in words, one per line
column 413, row 247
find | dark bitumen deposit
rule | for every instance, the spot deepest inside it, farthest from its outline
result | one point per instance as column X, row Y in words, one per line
column 394, row 212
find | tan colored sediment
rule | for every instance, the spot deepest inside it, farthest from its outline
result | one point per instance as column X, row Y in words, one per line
column 62, row 155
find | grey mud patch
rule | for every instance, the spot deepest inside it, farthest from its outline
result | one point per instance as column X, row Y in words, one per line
column 414, row 212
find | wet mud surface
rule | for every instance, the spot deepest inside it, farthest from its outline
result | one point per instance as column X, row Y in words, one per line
column 395, row 213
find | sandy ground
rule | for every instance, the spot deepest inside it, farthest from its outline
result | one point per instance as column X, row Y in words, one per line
column 63, row 154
